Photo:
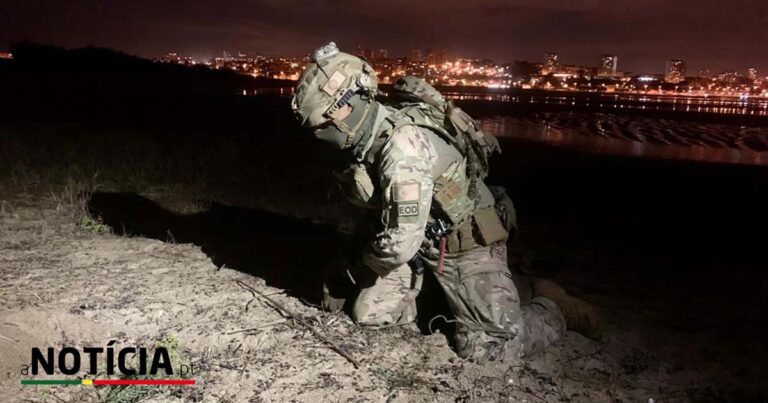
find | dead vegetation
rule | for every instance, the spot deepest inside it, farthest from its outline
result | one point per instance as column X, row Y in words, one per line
column 255, row 343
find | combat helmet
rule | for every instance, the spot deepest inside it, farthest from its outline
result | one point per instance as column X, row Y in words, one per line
column 332, row 80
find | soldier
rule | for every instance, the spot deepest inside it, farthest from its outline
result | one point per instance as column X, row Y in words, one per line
column 431, row 209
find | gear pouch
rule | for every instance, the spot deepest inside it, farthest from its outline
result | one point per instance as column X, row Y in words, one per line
column 489, row 226
column 357, row 185
column 452, row 200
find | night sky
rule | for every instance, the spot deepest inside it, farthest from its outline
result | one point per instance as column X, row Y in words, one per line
column 716, row 34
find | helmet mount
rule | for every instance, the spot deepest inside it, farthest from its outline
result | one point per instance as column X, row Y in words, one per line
column 331, row 81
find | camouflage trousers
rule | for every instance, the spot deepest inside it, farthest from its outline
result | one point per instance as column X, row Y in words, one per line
column 491, row 322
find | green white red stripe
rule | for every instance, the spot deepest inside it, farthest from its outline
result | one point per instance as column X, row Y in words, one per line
column 109, row 382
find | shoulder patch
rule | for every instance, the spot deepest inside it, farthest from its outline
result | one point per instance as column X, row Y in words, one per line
column 333, row 84
column 407, row 191
column 407, row 196
column 410, row 209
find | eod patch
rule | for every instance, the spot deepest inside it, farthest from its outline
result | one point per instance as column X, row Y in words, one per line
column 407, row 196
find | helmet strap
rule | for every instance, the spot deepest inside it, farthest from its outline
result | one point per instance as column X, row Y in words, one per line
column 353, row 132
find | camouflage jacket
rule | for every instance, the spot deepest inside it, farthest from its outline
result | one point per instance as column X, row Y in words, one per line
column 402, row 163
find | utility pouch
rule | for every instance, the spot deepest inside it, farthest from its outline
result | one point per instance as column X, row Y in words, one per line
column 447, row 194
column 452, row 201
column 489, row 227
column 461, row 238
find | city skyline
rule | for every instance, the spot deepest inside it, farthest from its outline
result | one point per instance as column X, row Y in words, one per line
column 550, row 75
column 642, row 34
column 605, row 65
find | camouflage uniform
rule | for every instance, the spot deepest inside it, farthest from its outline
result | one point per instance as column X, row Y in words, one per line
column 477, row 282
column 399, row 170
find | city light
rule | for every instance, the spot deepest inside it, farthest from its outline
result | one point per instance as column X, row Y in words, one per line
column 551, row 74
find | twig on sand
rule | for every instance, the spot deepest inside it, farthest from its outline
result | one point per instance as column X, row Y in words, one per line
column 298, row 320
column 249, row 304
column 282, row 310
column 266, row 325
column 332, row 345
column 8, row 339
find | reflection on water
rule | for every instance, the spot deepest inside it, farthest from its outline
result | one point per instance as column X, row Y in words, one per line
column 757, row 106
column 721, row 105
column 638, row 136
column 591, row 124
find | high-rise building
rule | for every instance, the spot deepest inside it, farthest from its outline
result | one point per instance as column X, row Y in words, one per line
column 705, row 73
column 675, row 71
column 435, row 57
column 608, row 65
column 416, row 55
column 752, row 73
column 551, row 62
column 381, row 54
column 365, row 53
column 729, row 77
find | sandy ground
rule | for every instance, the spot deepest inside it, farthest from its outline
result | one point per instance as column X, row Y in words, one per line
column 67, row 286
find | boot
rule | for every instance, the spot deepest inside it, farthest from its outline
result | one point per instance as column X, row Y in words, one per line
column 580, row 316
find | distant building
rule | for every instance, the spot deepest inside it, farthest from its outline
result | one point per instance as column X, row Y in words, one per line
column 436, row 57
column 523, row 70
column 675, row 72
column 381, row 54
column 173, row 57
column 705, row 73
column 416, row 56
column 752, row 74
column 551, row 60
column 728, row 77
column 6, row 55
column 361, row 52
column 608, row 65
column 550, row 63
column 571, row 71
column 366, row 54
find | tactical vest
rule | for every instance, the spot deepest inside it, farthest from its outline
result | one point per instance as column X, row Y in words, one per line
column 460, row 197
column 423, row 105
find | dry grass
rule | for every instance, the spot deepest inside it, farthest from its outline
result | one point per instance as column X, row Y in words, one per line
column 182, row 173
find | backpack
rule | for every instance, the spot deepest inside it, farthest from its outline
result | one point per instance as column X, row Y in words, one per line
column 424, row 106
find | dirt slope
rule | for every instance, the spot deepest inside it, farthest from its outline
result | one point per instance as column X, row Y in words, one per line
column 63, row 285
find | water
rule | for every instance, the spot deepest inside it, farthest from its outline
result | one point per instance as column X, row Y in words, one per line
column 753, row 106
column 655, row 126
column 637, row 136
column 625, row 124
